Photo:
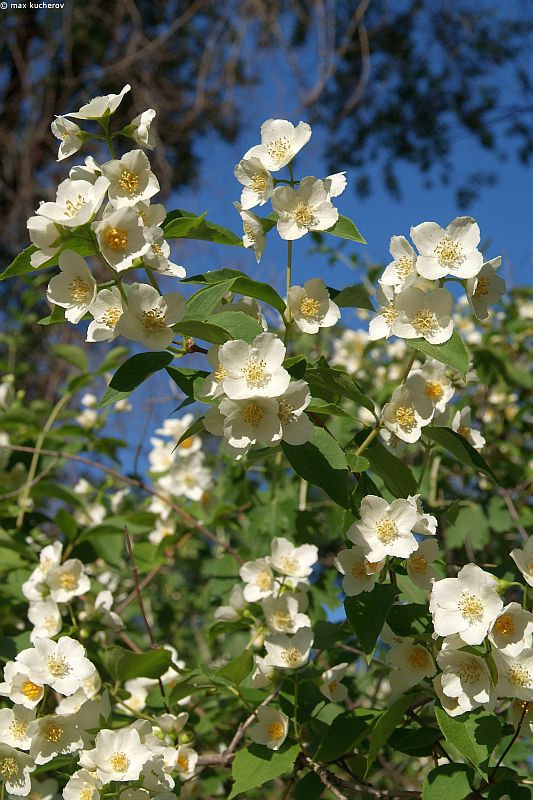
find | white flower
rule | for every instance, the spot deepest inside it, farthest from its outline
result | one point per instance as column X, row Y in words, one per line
column 406, row 413
column 157, row 255
column 385, row 322
column 307, row 208
column 76, row 202
column 88, row 171
column 524, row 560
column 87, row 419
column 419, row 566
column 82, row 785
column 14, row 770
column 451, row 251
column 54, row 735
column 485, row 288
column 467, row 605
column 258, row 578
column 271, row 727
column 348, row 349
column 462, row 424
column 45, row 235
column 254, row 234
column 61, row 665
column 402, row 270
column 175, row 428
column 121, row 238
column 188, row 478
column 254, row 370
column 280, row 141
column 106, row 309
column 297, row 562
column 68, row 580
column 186, row 760
column 263, row 673
column 130, row 179
column 432, row 382
column 19, row 687
column 282, row 614
column 257, row 181
column 512, row 631
column 335, row 184
column 45, row 616
column 515, row 675
column 466, row 679
column 118, row 755
column 161, row 456
column 100, row 106
column 74, row 289
column 289, row 652
column 384, row 529
column 49, row 557
column 331, row 686
column 410, row 663
column 142, row 133
column 162, row 529
column 236, row 606
column 149, row 316
column 296, row 427
column 14, row 724
column 212, row 386
column 425, row 314
column 103, row 604
column 310, row 306
column 359, row 573
column 70, row 136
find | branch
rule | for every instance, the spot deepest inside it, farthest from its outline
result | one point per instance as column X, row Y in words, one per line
column 335, row 784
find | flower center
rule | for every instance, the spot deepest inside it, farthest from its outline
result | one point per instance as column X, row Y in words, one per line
column 53, row 733
column 425, row 322
column 462, row 430
column 129, row 182
column 8, row 767
column 18, row 729
column 72, row 208
column 118, row 761
column 220, row 373
column 259, row 183
column 154, row 319
column 434, row 390
column 186, row 443
column 519, row 676
column 470, row 607
column 449, row 253
column 116, row 239
column 309, row 307
column 183, row 762
column 291, row 657
column 87, row 793
column 286, row 412
column 79, row 290
column 386, row 530
column 255, row 373
column 418, row 659
column 111, row 317
column 405, row 417
column 31, row 690
column 157, row 249
column 278, row 148
column 282, row 619
column 249, row 231
column 418, row 564
column 264, row 580
column 470, row 671
column 332, row 685
column 58, row 666
column 505, row 625
column 303, row 214
column 390, row 313
column 68, row 581
column 276, row 730
column 50, row 623
column 404, row 266
column 252, row 414
column 482, row 287
column 288, row 564
column 359, row 569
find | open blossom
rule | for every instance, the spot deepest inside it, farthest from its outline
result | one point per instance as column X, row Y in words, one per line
column 419, row 563
column 448, row 251
column 331, row 686
column 280, row 141
column 259, row 580
column 360, row 574
column 254, row 370
column 76, row 202
column 424, row 314
column 297, row 562
column 117, row 756
column 348, row 349
column 70, row 136
column 271, row 727
column 310, row 306
column 175, row 428
column 462, row 424
column 243, row 423
column 467, row 605
column 14, row 724
column 15, row 768
column 296, row 427
column 45, row 235
column 186, row 760
column 289, row 652
column 106, row 309
column 384, row 529
column 142, row 133
column 157, row 257
column 121, row 238
column 20, row 687
column 306, row 208
column 99, row 106
column 82, row 784
column 67, row 581
column 402, row 270
column 189, row 477
column 512, row 630
column 385, row 322
column 515, row 675
column 130, row 179
column 257, row 181
column 282, row 614
column 61, row 665
column 45, row 616
column 426, row 524
column 466, row 680
column 431, row 381
column 524, row 560
column 411, row 663
column 149, row 316
column 406, row 413
column 486, row 288
column 53, row 735
column 74, row 289
column 254, row 234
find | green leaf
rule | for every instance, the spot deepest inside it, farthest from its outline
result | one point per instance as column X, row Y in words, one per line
column 328, row 383
column 395, row 474
column 21, row 265
column 459, row 447
column 132, row 373
column 448, row 782
column 190, row 381
column 322, row 463
column 123, row 665
column 355, row 296
column 310, row 787
column 367, row 613
column 385, row 726
column 357, row 463
column 196, row 427
column 453, row 352
column 238, row 668
column 199, row 329
column 319, row 406
column 56, row 315
column 255, row 765
column 184, row 225
column 415, row 742
column 238, row 324
column 411, row 619
column 472, row 524
column 200, row 305
column 344, row 733
column 510, row 789
column 241, row 284
column 295, row 366
column 346, row 229
column 73, row 354
column 474, row 735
